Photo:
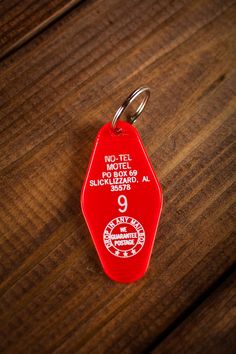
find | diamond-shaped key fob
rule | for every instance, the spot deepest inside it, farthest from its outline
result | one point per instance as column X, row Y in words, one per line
column 121, row 200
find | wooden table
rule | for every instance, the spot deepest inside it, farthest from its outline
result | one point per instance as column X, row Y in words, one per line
column 66, row 65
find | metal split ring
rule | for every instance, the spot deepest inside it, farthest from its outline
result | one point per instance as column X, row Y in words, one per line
column 128, row 101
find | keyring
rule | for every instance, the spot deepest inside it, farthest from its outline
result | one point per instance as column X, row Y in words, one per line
column 121, row 198
column 128, row 101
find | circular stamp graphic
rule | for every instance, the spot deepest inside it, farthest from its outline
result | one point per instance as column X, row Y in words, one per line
column 124, row 237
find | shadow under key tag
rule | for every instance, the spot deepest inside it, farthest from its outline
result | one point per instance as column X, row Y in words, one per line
column 121, row 197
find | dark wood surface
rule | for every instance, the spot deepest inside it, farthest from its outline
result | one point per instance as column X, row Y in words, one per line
column 20, row 21
column 210, row 329
column 66, row 66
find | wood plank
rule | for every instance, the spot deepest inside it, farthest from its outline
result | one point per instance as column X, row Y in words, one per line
column 56, row 92
column 210, row 329
column 22, row 20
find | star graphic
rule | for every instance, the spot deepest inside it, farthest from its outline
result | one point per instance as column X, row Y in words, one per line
column 125, row 254
column 117, row 253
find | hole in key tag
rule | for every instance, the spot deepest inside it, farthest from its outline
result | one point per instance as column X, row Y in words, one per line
column 121, row 197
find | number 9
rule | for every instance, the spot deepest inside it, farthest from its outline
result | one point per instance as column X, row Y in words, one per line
column 123, row 202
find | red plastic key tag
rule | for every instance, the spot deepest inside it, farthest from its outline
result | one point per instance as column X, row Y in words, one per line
column 121, row 198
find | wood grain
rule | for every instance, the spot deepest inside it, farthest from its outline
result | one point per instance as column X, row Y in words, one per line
column 210, row 328
column 21, row 20
column 56, row 91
